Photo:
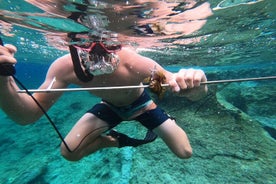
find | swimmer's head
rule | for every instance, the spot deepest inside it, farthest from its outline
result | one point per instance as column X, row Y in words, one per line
column 97, row 54
column 97, row 48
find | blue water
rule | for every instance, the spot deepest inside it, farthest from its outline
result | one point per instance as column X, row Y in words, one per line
column 232, row 131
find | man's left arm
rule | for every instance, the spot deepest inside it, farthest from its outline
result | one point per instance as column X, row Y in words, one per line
column 185, row 83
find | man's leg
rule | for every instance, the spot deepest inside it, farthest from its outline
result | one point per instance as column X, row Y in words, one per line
column 86, row 137
column 175, row 138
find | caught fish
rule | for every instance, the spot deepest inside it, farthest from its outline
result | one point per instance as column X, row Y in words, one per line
column 155, row 82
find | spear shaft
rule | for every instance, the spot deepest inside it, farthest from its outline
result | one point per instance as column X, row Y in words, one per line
column 48, row 90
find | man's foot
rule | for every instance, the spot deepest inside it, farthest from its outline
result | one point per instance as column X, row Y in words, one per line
column 125, row 140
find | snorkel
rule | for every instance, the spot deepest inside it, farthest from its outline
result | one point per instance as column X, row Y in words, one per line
column 96, row 54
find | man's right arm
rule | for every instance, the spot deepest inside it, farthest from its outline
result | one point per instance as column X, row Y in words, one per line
column 20, row 107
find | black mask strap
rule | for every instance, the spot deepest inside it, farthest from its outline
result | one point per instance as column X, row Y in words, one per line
column 83, row 76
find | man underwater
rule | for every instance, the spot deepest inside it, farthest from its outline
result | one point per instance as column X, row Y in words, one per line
column 99, row 64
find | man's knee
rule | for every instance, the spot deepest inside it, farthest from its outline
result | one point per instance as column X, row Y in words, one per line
column 175, row 138
column 69, row 155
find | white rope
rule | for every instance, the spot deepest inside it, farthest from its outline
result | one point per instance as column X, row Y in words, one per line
column 136, row 87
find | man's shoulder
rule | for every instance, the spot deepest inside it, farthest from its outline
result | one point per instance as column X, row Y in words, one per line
column 127, row 51
column 64, row 58
column 62, row 69
column 63, row 63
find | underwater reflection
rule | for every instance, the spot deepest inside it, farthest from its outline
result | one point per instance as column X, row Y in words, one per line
column 140, row 22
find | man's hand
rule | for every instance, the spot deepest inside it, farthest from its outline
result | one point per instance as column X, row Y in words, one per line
column 7, row 54
column 187, row 83
column 7, row 60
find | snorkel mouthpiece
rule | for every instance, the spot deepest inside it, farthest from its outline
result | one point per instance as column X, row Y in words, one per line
column 101, row 65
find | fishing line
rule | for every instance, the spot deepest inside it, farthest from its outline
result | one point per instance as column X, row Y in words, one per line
column 51, row 121
column 108, row 127
column 38, row 104
column 44, row 112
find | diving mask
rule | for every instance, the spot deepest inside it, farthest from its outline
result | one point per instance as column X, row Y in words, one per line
column 97, row 58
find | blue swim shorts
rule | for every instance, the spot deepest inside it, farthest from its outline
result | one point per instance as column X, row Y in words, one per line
column 115, row 115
